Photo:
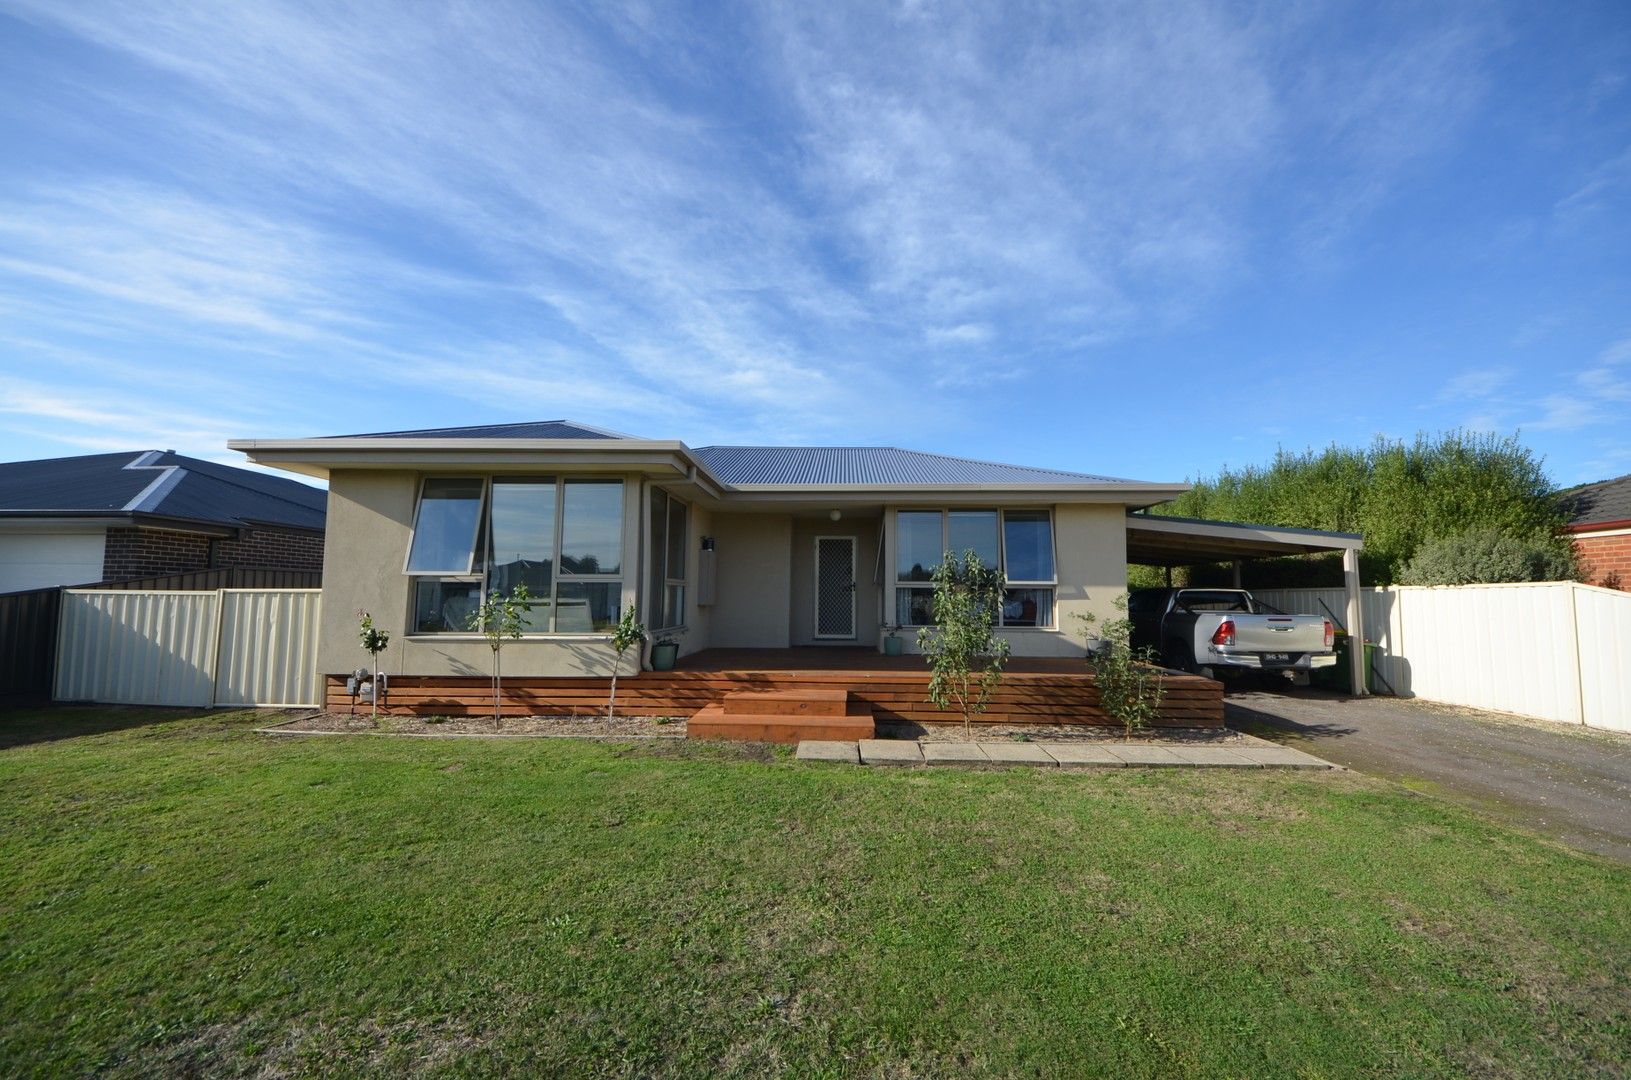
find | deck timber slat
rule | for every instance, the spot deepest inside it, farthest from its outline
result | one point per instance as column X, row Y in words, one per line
column 1056, row 691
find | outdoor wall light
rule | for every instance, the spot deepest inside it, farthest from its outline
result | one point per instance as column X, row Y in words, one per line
column 834, row 515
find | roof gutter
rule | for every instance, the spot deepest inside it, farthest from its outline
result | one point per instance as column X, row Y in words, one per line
column 1597, row 526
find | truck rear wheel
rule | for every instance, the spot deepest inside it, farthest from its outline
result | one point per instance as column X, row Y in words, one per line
column 1179, row 655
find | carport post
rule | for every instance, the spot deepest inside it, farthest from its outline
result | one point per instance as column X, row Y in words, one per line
column 1234, row 570
column 1357, row 660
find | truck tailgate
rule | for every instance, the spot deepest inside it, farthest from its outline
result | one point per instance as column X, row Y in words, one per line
column 1279, row 633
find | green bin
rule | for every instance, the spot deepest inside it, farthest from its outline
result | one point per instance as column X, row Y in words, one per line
column 1335, row 677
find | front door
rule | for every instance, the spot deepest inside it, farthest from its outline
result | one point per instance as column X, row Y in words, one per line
column 835, row 587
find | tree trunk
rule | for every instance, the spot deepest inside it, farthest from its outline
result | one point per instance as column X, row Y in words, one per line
column 498, row 688
column 611, row 702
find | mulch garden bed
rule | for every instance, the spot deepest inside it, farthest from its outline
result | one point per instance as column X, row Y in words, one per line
column 570, row 727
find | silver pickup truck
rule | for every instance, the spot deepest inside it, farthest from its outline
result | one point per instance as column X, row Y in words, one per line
column 1225, row 631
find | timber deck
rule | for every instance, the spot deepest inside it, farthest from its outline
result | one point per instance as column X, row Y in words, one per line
column 895, row 688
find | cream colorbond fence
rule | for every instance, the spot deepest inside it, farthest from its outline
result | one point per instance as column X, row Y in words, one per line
column 227, row 647
column 1552, row 650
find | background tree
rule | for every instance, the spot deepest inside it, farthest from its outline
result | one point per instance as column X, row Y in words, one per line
column 1400, row 495
column 1131, row 684
column 628, row 633
column 964, row 652
column 499, row 618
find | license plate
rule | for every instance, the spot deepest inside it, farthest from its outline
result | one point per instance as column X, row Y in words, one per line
column 1277, row 658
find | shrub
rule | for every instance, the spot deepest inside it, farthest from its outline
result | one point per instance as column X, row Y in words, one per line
column 1489, row 556
column 1130, row 684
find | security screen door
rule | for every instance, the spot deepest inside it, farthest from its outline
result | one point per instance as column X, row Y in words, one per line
column 835, row 587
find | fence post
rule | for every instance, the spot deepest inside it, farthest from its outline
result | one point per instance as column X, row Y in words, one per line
column 1574, row 635
column 1358, row 663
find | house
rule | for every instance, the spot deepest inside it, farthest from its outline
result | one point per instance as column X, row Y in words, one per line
column 1600, row 525
column 806, row 550
column 113, row 517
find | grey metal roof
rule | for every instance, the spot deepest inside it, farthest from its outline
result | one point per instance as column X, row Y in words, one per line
column 1592, row 504
column 795, row 465
column 159, row 483
column 532, row 429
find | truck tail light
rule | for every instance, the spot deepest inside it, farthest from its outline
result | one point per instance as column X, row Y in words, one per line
column 1225, row 633
column 1330, row 634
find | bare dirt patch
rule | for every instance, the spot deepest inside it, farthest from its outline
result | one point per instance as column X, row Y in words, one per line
column 565, row 727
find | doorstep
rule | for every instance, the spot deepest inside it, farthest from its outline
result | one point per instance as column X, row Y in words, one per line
column 1258, row 754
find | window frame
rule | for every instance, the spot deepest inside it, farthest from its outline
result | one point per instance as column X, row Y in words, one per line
column 945, row 512
column 661, row 583
column 484, row 537
column 469, row 570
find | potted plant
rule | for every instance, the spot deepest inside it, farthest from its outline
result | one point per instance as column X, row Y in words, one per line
column 666, row 650
column 892, row 643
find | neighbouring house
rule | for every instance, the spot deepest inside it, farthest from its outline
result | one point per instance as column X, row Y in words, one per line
column 112, row 517
column 1600, row 525
column 815, row 552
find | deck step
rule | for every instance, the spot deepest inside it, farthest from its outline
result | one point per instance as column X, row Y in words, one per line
column 798, row 701
column 713, row 722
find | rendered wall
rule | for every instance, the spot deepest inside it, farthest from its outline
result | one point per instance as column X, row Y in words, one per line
column 753, row 560
column 370, row 521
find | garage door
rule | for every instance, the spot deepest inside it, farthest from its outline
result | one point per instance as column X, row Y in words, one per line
column 37, row 560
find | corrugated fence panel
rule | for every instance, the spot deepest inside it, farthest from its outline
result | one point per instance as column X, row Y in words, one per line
column 28, row 644
column 137, row 648
column 1501, row 647
column 1551, row 650
column 268, row 652
column 1604, row 619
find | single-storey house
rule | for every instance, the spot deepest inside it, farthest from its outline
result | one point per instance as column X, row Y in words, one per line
column 818, row 551
column 1600, row 526
column 113, row 517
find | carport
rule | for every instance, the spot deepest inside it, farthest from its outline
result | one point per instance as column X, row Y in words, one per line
column 1175, row 541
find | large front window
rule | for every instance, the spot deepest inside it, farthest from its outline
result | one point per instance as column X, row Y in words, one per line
column 473, row 535
column 1018, row 542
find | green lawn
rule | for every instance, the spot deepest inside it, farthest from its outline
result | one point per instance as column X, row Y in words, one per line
column 184, row 896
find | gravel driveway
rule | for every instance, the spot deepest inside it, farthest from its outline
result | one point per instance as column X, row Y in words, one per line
column 1569, row 783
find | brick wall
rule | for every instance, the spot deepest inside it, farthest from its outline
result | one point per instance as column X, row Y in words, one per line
column 139, row 552
column 268, row 549
column 1601, row 556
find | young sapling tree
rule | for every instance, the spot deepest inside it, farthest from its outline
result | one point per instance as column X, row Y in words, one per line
column 964, row 651
column 1130, row 681
column 627, row 634
column 374, row 641
column 500, row 618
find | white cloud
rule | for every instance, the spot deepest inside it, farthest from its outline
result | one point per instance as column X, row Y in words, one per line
column 509, row 207
column 1473, row 385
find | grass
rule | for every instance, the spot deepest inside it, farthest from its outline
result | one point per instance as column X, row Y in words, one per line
column 183, row 896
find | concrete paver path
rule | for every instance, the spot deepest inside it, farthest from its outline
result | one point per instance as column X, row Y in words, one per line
column 1056, row 754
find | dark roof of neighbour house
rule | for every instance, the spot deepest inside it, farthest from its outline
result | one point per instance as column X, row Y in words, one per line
column 157, row 484
column 534, row 429
column 794, row 465
column 1602, row 503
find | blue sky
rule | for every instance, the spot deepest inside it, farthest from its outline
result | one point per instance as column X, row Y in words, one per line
column 1147, row 240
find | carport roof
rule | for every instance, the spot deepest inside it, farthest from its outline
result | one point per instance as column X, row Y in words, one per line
column 1153, row 540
